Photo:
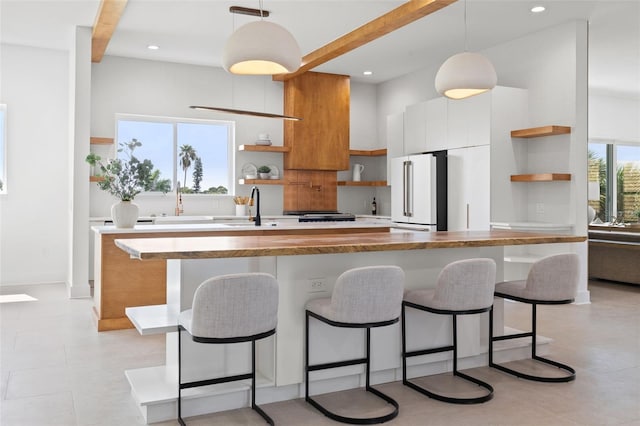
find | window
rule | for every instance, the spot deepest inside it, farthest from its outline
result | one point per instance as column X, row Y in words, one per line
column 197, row 155
column 3, row 149
column 615, row 166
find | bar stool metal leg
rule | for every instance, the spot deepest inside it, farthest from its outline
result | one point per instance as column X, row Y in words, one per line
column 366, row 360
column 534, row 356
column 180, row 420
column 454, row 348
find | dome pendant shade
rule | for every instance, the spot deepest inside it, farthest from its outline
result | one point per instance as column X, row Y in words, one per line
column 261, row 48
column 465, row 74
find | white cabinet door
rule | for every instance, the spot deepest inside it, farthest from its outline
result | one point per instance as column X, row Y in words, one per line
column 468, row 188
column 469, row 121
column 478, row 118
column 436, row 130
column 415, row 126
column 456, row 123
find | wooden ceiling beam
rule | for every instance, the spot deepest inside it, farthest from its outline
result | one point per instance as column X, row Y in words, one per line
column 399, row 17
column 104, row 26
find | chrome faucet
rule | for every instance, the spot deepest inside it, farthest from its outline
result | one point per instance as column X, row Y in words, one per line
column 257, row 217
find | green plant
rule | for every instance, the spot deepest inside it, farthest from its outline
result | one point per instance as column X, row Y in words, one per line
column 93, row 159
column 187, row 155
column 264, row 169
column 127, row 178
column 197, row 175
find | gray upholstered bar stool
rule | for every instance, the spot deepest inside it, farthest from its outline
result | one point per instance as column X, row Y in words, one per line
column 230, row 309
column 552, row 280
column 362, row 298
column 464, row 287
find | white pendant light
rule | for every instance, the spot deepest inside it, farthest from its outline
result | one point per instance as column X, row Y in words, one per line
column 261, row 48
column 465, row 74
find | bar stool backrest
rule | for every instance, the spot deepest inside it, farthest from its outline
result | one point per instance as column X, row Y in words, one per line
column 466, row 285
column 368, row 295
column 553, row 277
column 235, row 305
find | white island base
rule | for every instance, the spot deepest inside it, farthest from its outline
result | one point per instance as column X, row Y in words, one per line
column 280, row 358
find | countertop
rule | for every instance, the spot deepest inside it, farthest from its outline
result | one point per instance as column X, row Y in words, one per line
column 284, row 245
column 267, row 225
column 609, row 228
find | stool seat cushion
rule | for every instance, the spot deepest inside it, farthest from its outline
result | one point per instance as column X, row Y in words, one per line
column 234, row 305
column 514, row 288
column 461, row 286
column 552, row 278
column 422, row 297
column 321, row 307
column 363, row 295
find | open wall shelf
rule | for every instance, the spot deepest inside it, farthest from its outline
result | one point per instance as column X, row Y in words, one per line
column 362, row 183
column 100, row 141
column 96, row 178
column 261, row 182
column 541, row 177
column 537, row 132
column 264, row 148
column 368, row 153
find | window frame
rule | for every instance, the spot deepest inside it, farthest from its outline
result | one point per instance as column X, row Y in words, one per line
column 611, row 161
column 174, row 121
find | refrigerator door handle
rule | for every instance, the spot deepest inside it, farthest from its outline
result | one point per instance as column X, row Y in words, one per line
column 408, row 188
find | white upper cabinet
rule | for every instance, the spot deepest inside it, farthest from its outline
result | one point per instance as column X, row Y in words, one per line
column 469, row 121
column 415, row 128
column 436, row 125
column 425, row 127
column 443, row 123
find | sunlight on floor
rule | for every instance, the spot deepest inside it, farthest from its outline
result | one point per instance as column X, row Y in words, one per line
column 10, row 298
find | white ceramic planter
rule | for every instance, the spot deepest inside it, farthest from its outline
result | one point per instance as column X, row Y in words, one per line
column 124, row 214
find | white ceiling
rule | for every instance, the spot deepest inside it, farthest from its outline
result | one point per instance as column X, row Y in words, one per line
column 194, row 31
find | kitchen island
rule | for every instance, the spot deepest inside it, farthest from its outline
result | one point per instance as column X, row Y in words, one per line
column 120, row 282
column 306, row 266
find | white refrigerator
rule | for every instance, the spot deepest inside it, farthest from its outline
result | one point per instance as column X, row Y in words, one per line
column 419, row 190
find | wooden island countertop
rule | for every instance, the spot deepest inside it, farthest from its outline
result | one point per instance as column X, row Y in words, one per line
column 287, row 245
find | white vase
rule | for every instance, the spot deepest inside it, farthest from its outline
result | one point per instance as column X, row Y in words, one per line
column 124, row 214
column 241, row 209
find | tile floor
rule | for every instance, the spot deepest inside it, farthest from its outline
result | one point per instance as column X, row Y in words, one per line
column 55, row 369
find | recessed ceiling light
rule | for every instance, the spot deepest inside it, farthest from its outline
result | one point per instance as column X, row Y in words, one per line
column 538, row 9
column 367, row 73
column 153, row 47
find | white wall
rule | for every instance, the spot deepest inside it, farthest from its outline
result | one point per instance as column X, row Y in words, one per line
column 551, row 65
column 614, row 118
column 77, row 150
column 34, row 228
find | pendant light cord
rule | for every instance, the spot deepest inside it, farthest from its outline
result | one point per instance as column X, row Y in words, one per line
column 466, row 47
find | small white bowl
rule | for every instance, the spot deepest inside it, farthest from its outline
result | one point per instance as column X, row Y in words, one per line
column 250, row 176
